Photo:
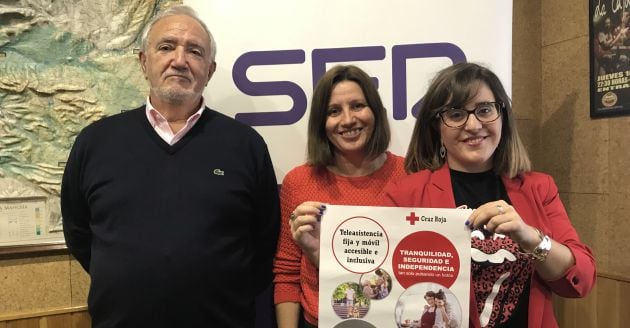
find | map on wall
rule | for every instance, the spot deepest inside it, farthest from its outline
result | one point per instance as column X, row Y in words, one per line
column 63, row 64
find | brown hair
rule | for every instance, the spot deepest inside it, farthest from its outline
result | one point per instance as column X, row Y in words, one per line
column 454, row 86
column 320, row 150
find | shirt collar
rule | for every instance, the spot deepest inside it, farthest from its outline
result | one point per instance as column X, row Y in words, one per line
column 154, row 116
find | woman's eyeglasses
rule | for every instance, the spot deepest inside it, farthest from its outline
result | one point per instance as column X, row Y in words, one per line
column 486, row 112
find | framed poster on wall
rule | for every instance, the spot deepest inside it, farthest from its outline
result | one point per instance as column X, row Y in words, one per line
column 609, row 31
column 26, row 226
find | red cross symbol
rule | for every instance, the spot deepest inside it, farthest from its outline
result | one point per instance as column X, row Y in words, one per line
column 412, row 218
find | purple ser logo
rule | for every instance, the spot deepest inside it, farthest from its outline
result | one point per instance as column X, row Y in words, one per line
column 321, row 57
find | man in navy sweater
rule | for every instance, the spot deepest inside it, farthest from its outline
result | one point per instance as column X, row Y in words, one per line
column 172, row 208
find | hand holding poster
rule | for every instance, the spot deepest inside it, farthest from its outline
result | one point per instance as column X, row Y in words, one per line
column 394, row 267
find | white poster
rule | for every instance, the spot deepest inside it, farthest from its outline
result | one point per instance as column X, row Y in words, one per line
column 394, row 267
column 23, row 222
column 272, row 52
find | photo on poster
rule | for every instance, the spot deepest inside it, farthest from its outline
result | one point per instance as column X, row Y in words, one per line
column 428, row 304
column 376, row 285
column 349, row 301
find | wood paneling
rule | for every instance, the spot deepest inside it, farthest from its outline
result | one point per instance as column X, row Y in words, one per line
column 73, row 317
column 81, row 320
column 608, row 305
column 24, row 323
column 54, row 321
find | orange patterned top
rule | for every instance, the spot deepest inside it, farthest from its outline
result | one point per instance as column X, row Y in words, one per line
column 296, row 279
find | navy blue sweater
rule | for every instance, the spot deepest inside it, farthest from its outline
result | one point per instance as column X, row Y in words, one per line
column 172, row 236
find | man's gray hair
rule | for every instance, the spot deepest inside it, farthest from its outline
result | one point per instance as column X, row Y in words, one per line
column 173, row 11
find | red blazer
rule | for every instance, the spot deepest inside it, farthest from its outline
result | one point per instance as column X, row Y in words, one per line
column 535, row 197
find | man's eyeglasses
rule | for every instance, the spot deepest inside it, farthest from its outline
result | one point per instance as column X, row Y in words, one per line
column 487, row 112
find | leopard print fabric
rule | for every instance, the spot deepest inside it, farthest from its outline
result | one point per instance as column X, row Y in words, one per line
column 500, row 272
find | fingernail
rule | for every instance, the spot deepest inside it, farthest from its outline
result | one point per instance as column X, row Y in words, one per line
column 321, row 211
column 467, row 222
column 323, row 206
column 319, row 218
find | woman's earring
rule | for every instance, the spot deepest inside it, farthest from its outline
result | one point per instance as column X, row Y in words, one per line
column 442, row 151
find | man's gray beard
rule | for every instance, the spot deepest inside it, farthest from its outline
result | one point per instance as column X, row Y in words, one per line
column 174, row 95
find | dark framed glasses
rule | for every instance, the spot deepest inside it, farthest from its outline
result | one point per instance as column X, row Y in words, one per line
column 486, row 112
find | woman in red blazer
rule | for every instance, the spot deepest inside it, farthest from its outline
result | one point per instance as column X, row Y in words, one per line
column 466, row 152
